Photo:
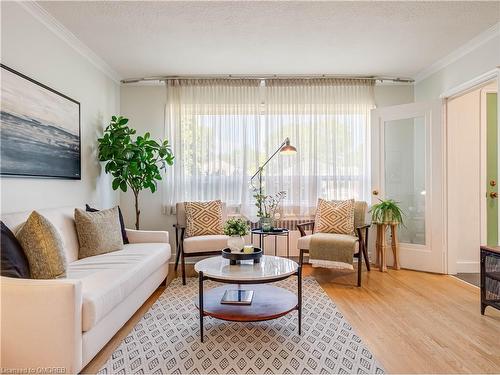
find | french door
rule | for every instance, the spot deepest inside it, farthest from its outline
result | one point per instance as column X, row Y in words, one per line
column 407, row 166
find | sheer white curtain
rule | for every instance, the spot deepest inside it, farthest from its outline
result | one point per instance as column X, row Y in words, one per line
column 222, row 130
column 328, row 121
column 213, row 126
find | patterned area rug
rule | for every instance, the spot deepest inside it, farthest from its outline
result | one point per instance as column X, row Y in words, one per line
column 166, row 340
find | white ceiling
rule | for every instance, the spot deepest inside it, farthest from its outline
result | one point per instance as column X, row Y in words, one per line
column 374, row 38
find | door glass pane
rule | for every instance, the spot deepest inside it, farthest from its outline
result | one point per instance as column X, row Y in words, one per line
column 404, row 146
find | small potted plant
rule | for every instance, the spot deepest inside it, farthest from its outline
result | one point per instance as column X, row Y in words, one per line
column 236, row 229
column 387, row 212
column 269, row 209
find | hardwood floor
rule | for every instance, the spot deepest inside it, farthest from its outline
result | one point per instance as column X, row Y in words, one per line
column 413, row 322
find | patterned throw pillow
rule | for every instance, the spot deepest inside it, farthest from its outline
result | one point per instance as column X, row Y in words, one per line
column 203, row 218
column 98, row 232
column 43, row 247
column 335, row 217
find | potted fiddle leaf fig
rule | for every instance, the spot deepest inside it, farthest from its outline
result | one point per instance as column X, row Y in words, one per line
column 134, row 162
column 387, row 212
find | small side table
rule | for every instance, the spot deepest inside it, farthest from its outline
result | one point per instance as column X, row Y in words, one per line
column 262, row 236
column 490, row 277
column 381, row 245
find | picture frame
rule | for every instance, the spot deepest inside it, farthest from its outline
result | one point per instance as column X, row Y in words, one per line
column 40, row 129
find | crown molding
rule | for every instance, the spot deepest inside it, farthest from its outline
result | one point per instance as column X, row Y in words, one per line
column 37, row 11
column 460, row 52
column 471, row 84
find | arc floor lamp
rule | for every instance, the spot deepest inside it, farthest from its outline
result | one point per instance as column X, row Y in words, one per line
column 285, row 148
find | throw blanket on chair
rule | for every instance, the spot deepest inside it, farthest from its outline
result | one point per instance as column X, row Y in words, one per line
column 331, row 250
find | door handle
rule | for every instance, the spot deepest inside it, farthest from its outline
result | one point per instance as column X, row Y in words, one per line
column 375, row 192
column 494, row 195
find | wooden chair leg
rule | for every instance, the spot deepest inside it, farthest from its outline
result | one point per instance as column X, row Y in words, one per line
column 177, row 256
column 183, row 268
column 301, row 257
column 365, row 250
column 360, row 263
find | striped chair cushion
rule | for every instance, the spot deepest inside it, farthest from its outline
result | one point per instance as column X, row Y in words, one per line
column 203, row 218
column 335, row 217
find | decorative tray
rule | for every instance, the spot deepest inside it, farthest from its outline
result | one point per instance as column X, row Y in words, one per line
column 235, row 258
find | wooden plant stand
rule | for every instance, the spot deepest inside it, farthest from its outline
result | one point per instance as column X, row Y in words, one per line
column 381, row 245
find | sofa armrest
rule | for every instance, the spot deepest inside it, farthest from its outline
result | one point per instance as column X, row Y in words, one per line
column 147, row 236
column 41, row 324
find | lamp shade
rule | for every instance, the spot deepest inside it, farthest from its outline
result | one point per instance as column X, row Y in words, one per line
column 288, row 149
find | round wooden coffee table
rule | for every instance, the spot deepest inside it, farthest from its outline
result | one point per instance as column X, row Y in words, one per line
column 269, row 301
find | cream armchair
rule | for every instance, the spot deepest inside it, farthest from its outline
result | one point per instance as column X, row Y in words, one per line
column 198, row 245
column 360, row 209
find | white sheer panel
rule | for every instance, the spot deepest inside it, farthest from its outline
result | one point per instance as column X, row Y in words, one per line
column 212, row 125
column 221, row 130
column 328, row 122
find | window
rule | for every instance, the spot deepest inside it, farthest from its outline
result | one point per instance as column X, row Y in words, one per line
column 222, row 130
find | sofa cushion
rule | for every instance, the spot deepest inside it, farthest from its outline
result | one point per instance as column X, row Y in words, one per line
column 205, row 243
column 107, row 279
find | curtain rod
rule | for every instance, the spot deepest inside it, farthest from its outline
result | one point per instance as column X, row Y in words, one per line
column 268, row 76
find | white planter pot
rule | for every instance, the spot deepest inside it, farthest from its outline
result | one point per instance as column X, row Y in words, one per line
column 235, row 243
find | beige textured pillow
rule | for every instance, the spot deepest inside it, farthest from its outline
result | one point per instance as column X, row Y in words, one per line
column 335, row 217
column 98, row 232
column 203, row 218
column 43, row 247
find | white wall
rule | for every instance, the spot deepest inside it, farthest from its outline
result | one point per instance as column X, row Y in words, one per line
column 389, row 94
column 463, row 144
column 144, row 107
column 480, row 60
column 31, row 48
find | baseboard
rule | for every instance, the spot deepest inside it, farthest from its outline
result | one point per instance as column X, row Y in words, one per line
column 467, row 267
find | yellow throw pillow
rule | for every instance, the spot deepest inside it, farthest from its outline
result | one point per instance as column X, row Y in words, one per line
column 98, row 232
column 203, row 218
column 335, row 217
column 43, row 247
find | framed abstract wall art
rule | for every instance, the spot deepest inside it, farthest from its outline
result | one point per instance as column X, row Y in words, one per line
column 39, row 129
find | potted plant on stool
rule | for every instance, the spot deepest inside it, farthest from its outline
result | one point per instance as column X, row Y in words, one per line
column 385, row 214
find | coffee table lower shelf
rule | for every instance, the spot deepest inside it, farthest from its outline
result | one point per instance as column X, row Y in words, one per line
column 269, row 302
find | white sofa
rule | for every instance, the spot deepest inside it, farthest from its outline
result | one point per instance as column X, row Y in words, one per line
column 65, row 322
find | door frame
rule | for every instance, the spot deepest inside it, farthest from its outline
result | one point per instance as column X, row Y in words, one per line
column 484, row 162
column 458, row 90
